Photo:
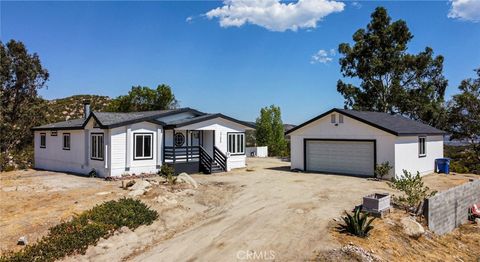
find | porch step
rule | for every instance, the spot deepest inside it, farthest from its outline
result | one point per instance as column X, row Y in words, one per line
column 216, row 168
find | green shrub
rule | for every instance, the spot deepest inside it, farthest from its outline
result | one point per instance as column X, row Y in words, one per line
column 169, row 174
column 463, row 159
column 382, row 169
column 413, row 189
column 357, row 224
column 75, row 236
column 92, row 173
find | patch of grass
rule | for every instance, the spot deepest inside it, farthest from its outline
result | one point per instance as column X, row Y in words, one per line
column 74, row 237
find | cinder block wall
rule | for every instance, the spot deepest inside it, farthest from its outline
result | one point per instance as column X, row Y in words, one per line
column 449, row 209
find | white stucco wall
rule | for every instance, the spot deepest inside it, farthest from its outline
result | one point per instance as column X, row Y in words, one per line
column 407, row 157
column 349, row 129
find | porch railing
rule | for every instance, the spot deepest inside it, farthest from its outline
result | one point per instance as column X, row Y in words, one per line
column 220, row 158
column 182, row 153
column 206, row 161
column 208, row 164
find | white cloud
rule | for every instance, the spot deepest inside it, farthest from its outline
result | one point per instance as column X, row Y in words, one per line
column 274, row 15
column 356, row 4
column 465, row 10
column 323, row 56
column 189, row 19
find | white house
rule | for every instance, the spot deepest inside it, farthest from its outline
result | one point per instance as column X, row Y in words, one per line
column 354, row 142
column 141, row 142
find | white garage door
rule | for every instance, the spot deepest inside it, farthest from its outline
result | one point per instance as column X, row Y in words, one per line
column 344, row 157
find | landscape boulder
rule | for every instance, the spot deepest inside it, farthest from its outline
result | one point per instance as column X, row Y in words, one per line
column 185, row 178
column 22, row 241
column 139, row 188
column 411, row 227
column 130, row 183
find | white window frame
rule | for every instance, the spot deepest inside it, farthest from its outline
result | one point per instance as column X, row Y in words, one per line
column 142, row 157
column 97, row 149
column 422, row 146
column 236, row 143
column 44, row 140
column 64, row 146
column 333, row 119
column 340, row 118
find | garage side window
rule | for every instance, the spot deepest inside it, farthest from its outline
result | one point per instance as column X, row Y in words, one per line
column 236, row 143
column 66, row 141
column 422, row 149
column 96, row 148
column 43, row 140
column 143, row 146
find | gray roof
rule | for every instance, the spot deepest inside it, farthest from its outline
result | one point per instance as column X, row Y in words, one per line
column 111, row 120
column 193, row 120
column 69, row 124
column 394, row 124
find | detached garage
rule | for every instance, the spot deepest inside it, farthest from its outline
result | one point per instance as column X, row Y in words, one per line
column 352, row 142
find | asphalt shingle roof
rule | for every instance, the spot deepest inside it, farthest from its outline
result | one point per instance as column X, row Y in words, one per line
column 110, row 119
column 192, row 120
column 394, row 124
column 69, row 124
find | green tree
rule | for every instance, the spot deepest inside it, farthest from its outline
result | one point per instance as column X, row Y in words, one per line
column 144, row 99
column 464, row 114
column 21, row 75
column 392, row 80
column 269, row 131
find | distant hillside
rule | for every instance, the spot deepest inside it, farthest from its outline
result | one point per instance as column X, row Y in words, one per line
column 71, row 107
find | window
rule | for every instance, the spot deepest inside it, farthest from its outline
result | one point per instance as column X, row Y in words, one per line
column 66, row 141
column 43, row 140
column 236, row 143
column 333, row 119
column 340, row 119
column 179, row 139
column 422, row 149
column 143, row 146
column 97, row 146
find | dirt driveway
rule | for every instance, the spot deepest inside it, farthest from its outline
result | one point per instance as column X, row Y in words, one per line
column 275, row 213
column 264, row 211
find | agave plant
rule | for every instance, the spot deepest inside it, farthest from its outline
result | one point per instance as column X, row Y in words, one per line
column 357, row 223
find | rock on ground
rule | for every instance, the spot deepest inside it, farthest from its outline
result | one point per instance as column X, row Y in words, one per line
column 411, row 227
column 139, row 188
column 185, row 178
column 22, row 241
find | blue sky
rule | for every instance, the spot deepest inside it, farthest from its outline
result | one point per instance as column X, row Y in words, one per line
column 223, row 62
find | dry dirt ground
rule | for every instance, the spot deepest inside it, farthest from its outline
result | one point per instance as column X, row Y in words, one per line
column 264, row 210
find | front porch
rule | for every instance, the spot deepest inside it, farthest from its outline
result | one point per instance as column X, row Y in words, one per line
column 193, row 151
